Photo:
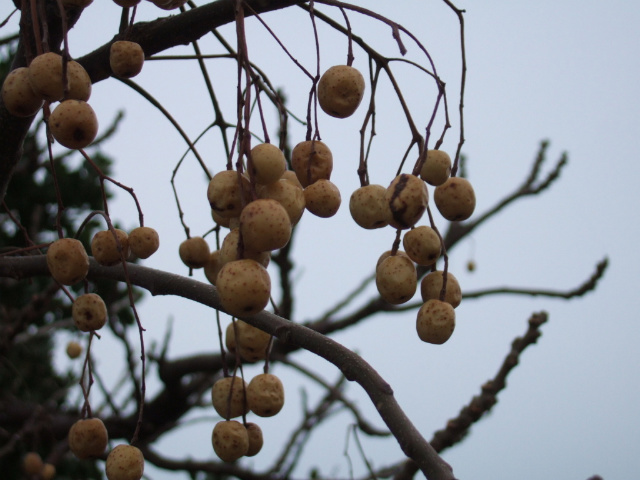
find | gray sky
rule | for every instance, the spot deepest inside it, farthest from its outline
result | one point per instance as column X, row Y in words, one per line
column 564, row 71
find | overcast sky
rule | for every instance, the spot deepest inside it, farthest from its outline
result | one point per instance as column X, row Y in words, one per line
column 560, row 70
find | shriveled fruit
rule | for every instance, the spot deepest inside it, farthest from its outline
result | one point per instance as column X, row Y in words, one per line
column 106, row 250
column 126, row 58
column 436, row 168
column 289, row 195
column 74, row 349
column 244, row 287
column 431, row 286
column 340, row 90
column 143, row 241
column 268, row 163
column 88, row 438
column 265, row 395
column 74, row 124
column 369, row 207
column 251, row 342
column 194, row 252
column 422, row 244
column 18, row 97
column 230, row 440
column 407, row 197
column 322, row 198
column 125, row 462
column 32, row 463
column 229, row 251
column 89, row 312
column 228, row 397
column 311, row 160
column 396, row 279
column 264, row 225
column 436, row 321
column 255, row 439
column 228, row 192
column 455, row 199
column 68, row 261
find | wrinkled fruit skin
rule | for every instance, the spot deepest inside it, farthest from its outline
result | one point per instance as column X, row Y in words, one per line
column 244, row 287
column 407, row 196
column 89, row 312
column 265, row 395
column 455, row 199
column 125, row 462
column 340, row 91
column 68, row 261
column 88, row 438
column 74, row 124
column 436, row 322
column 311, row 161
column 230, row 440
column 228, row 397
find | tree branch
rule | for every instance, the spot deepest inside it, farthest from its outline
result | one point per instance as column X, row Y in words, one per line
column 352, row 366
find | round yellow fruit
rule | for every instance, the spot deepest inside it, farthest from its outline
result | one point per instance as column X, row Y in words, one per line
column 340, row 91
column 125, row 462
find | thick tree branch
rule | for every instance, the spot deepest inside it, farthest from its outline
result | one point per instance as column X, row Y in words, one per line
column 352, row 366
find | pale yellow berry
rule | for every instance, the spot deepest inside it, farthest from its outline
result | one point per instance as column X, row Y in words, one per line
column 268, row 163
column 244, row 287
column 436, row 168
column 436, row 321
column 386, row 254
column 144, row 241
column 422, row 244
column 88, row 438
column 228, row 192
column 126, row 58
column 89, row 312
column 431, row 286
column 228, row 397
column 194, row 252
column 311, row 160
column 290, row 195
column 251, row 342
column 48, row 472
column 74, row 350
column 264, row 226
column 68, row 261
column 265, row 395
column 455, row 199
column 32, row 463
column 407, row 197
column 73, row 124
column 229, row 251
column 369, row 207
column 322, row 198
column 106, row 250
column 230, row 440
column 125, row 462
column 255, row 439
column 18, row 97
column 396, row 279
column 340, row 91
